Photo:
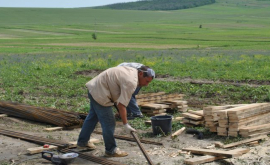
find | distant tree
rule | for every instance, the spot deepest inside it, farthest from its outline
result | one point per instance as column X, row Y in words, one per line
column 94, row 36
column 158, row 4
column 200, row 26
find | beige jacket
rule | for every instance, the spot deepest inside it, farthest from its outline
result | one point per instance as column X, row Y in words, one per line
column 115, row 84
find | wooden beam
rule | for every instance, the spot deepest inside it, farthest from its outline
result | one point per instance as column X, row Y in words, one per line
column 3, row 115
column 199, row 113
column 209, row 158
column 228, row 154
column 53, row 128
column 241, row 142
column 36, row 150
column 192, row 116
column 178, row 132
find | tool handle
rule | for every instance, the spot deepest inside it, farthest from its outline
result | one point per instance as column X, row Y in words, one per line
column 141, row 147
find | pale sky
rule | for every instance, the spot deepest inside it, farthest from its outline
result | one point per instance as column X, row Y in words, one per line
column 58, row 3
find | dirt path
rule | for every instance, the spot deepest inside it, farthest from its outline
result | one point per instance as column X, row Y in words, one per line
column 251, row 83
column 13, row 150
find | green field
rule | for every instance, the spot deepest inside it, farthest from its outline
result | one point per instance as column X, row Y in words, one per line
column 41, row 50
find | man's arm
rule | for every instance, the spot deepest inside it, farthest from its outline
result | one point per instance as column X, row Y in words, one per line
column 122, row 112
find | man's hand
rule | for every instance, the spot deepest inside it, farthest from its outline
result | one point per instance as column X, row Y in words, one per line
column 128, row 128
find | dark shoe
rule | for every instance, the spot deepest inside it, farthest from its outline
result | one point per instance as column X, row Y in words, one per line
column 140, row 115
column 133, row 116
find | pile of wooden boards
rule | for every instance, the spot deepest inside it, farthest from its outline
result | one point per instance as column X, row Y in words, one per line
column 212, row 155
column 159, row 103
column 248, row 120
column 194, row 118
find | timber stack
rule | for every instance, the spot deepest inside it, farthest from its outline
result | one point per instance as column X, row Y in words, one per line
column 247, row 120
column 193, row 118
column 159, row 103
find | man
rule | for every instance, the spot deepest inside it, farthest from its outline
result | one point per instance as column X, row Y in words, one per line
column 113, row 86
column 133, row 109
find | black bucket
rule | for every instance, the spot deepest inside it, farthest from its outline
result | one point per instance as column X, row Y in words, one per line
column 161, row 124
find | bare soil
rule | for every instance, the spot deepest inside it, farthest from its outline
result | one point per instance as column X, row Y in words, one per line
column 166, row 77
column 14, row 151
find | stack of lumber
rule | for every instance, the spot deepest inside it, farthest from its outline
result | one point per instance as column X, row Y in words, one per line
column 255, row 130
column 154, row 109
column 251, row 119
column 194, row 118
column 176, row 105
column 150, row 98
column 157, row 97
column 159, row 103
column 244, row 117
column 213, row 121
column 212, row 155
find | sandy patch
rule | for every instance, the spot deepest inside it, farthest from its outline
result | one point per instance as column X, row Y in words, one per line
column 239, row 25
column 40, row 32
column 7, row 36
column 85, row 30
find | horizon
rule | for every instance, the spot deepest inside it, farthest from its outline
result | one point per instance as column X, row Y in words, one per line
column 57, row 3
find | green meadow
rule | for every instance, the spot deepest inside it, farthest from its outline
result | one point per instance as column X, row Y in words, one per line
column 42, row 49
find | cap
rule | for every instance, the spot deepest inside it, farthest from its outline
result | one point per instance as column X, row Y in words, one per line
column 149, row 72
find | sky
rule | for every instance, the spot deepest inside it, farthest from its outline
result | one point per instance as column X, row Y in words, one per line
column 58, row 3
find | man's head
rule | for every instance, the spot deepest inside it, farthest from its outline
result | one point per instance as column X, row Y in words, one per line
column 145, row 75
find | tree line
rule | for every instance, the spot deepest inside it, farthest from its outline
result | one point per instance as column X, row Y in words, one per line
column 157, row 5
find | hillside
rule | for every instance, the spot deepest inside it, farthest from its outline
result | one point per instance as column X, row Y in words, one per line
column 158, row 5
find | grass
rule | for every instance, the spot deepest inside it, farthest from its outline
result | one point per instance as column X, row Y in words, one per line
column 42, row 49
column 233, row 25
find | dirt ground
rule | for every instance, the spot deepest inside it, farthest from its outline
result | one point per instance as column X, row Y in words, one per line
column 14, row 151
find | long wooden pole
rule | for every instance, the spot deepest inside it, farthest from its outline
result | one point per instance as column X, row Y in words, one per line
column 142, row 149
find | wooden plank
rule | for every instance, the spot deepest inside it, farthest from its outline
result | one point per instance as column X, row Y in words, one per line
column 177, row 102
column 178, row 132
column 192, row 116
column 248, row 112
column 213, row 129
column 258, row 134
column 199, row 113
column 222, row 133
column 154, row 106
column 247, row 108
column 36, row 150
column 249, row 134
column 228, row 154
column 255, row 128
column 185, row 120
column 209, row 158
column 153, row 111
column 241, row 142
column 221, row 129
column 233, row 133
column 3, row 115
column 203, row 159
column 53, row 128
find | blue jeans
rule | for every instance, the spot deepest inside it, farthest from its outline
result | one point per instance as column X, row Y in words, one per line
column 105, row 116
column 133, row 107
